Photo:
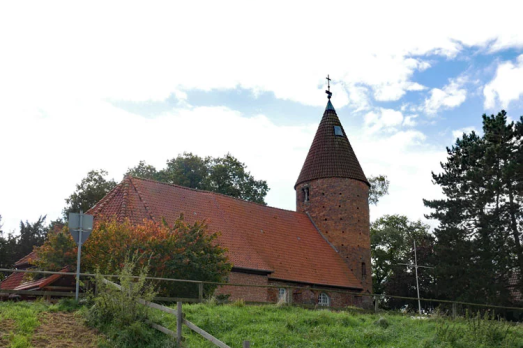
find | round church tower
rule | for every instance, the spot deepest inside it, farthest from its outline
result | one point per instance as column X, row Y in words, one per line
column 333, row 190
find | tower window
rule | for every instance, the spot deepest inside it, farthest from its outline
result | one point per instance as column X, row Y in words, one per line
column 324, row 300
column 338, row 131
column 305, row 194
column 363, row 271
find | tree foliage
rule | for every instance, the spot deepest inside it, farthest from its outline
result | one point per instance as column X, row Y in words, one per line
column 88, row 192
column 226, row 175
column 183, row 251
column 392, row 246
column 479, row 241
column 379, row 187
column 13, row 247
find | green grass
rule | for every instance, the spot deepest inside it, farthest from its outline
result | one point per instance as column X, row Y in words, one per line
column 25, row 318
column 272, row 326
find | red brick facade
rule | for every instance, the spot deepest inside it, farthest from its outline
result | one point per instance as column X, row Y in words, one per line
column 252, row 294
column 301, row 293
column 339, row 208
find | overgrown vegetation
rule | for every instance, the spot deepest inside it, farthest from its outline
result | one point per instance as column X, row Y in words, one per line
column 116, row 312
column 287, row 326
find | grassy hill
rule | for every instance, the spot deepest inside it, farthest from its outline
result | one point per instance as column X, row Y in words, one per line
column 42, row 325
column 272, row 326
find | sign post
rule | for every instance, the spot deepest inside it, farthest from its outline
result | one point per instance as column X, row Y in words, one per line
column 80, row 226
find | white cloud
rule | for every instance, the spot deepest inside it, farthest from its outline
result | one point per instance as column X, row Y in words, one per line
column 506, row 86
column 49, row 155
column 61, row 60
column 409, row 121
column 132, row 51
column 451, row 96
column 382, row 119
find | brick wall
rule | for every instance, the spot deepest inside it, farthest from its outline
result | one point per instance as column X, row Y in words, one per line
column 339, row 207
column 246, row 293
column 305, row 294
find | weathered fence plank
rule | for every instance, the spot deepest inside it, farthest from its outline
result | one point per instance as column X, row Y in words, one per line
column 205, row 334
column 161, row 328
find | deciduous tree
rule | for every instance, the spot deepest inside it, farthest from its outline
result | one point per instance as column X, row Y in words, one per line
column 88, row 192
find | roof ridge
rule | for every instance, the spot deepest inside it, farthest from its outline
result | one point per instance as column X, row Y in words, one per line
column 142, row 199
column 214, row 193
column 98, row 206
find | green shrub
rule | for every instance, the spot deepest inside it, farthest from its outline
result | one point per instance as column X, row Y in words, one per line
column 117, row 312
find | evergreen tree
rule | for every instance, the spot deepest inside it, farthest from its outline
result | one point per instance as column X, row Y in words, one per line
column 479, row 235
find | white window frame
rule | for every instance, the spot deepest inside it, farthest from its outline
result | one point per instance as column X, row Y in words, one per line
column 324, row 300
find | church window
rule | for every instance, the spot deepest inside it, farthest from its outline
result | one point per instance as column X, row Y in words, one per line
column 338, row 131
column 324, row 300
column 363, row 271
column 305, row 194
column 282, row 294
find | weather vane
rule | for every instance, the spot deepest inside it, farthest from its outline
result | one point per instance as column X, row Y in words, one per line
column 328, row 91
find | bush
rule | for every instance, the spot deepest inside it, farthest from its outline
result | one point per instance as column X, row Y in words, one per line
column 116, row 310
column 182, row 251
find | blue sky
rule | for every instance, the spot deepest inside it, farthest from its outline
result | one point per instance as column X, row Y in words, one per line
column 103, row 86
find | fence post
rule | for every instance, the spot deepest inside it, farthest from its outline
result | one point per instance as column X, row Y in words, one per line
column 200, row 292
column 454, row 310
column 376, row 303
column 179, row 321
column 246, row 344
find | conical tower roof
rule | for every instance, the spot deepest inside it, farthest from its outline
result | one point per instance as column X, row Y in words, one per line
column 331, row 155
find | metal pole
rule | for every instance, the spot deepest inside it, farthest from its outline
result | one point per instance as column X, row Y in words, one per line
column 78, row 256
column 417, row 282
column 246, row 344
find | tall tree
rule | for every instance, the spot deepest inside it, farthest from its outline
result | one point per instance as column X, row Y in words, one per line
column 480, row 220
column 392, row 239
column 14, row 247
column 88, row 192
column 143, row 170
column 226, row 175
column 379, row 187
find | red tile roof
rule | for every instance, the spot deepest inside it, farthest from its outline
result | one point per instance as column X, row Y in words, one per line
column 26, row 260
column 330, row 155
column 281, row 242
column 41, row 283
column 15, row 281
column 12, row 281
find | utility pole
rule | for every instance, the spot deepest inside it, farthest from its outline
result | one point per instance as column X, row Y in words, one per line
column 415, row 265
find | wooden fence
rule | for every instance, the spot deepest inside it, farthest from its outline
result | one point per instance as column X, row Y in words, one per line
column 180, row 320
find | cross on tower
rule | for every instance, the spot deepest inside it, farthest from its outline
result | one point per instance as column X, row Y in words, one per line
column 328, row 91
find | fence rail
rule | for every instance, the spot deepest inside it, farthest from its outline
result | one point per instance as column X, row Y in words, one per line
column 376, row 297
column 180, row 320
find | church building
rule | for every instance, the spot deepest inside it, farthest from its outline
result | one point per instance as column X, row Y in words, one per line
column 322, row 247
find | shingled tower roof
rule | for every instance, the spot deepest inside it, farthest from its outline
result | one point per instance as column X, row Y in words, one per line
column 331, row 155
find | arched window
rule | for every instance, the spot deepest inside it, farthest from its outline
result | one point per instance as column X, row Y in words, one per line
column 282, row 294
column 324, row 300
column 363, row 271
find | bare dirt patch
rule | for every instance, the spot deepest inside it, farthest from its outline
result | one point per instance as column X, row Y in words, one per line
column 63, row 330
column 6, row 327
